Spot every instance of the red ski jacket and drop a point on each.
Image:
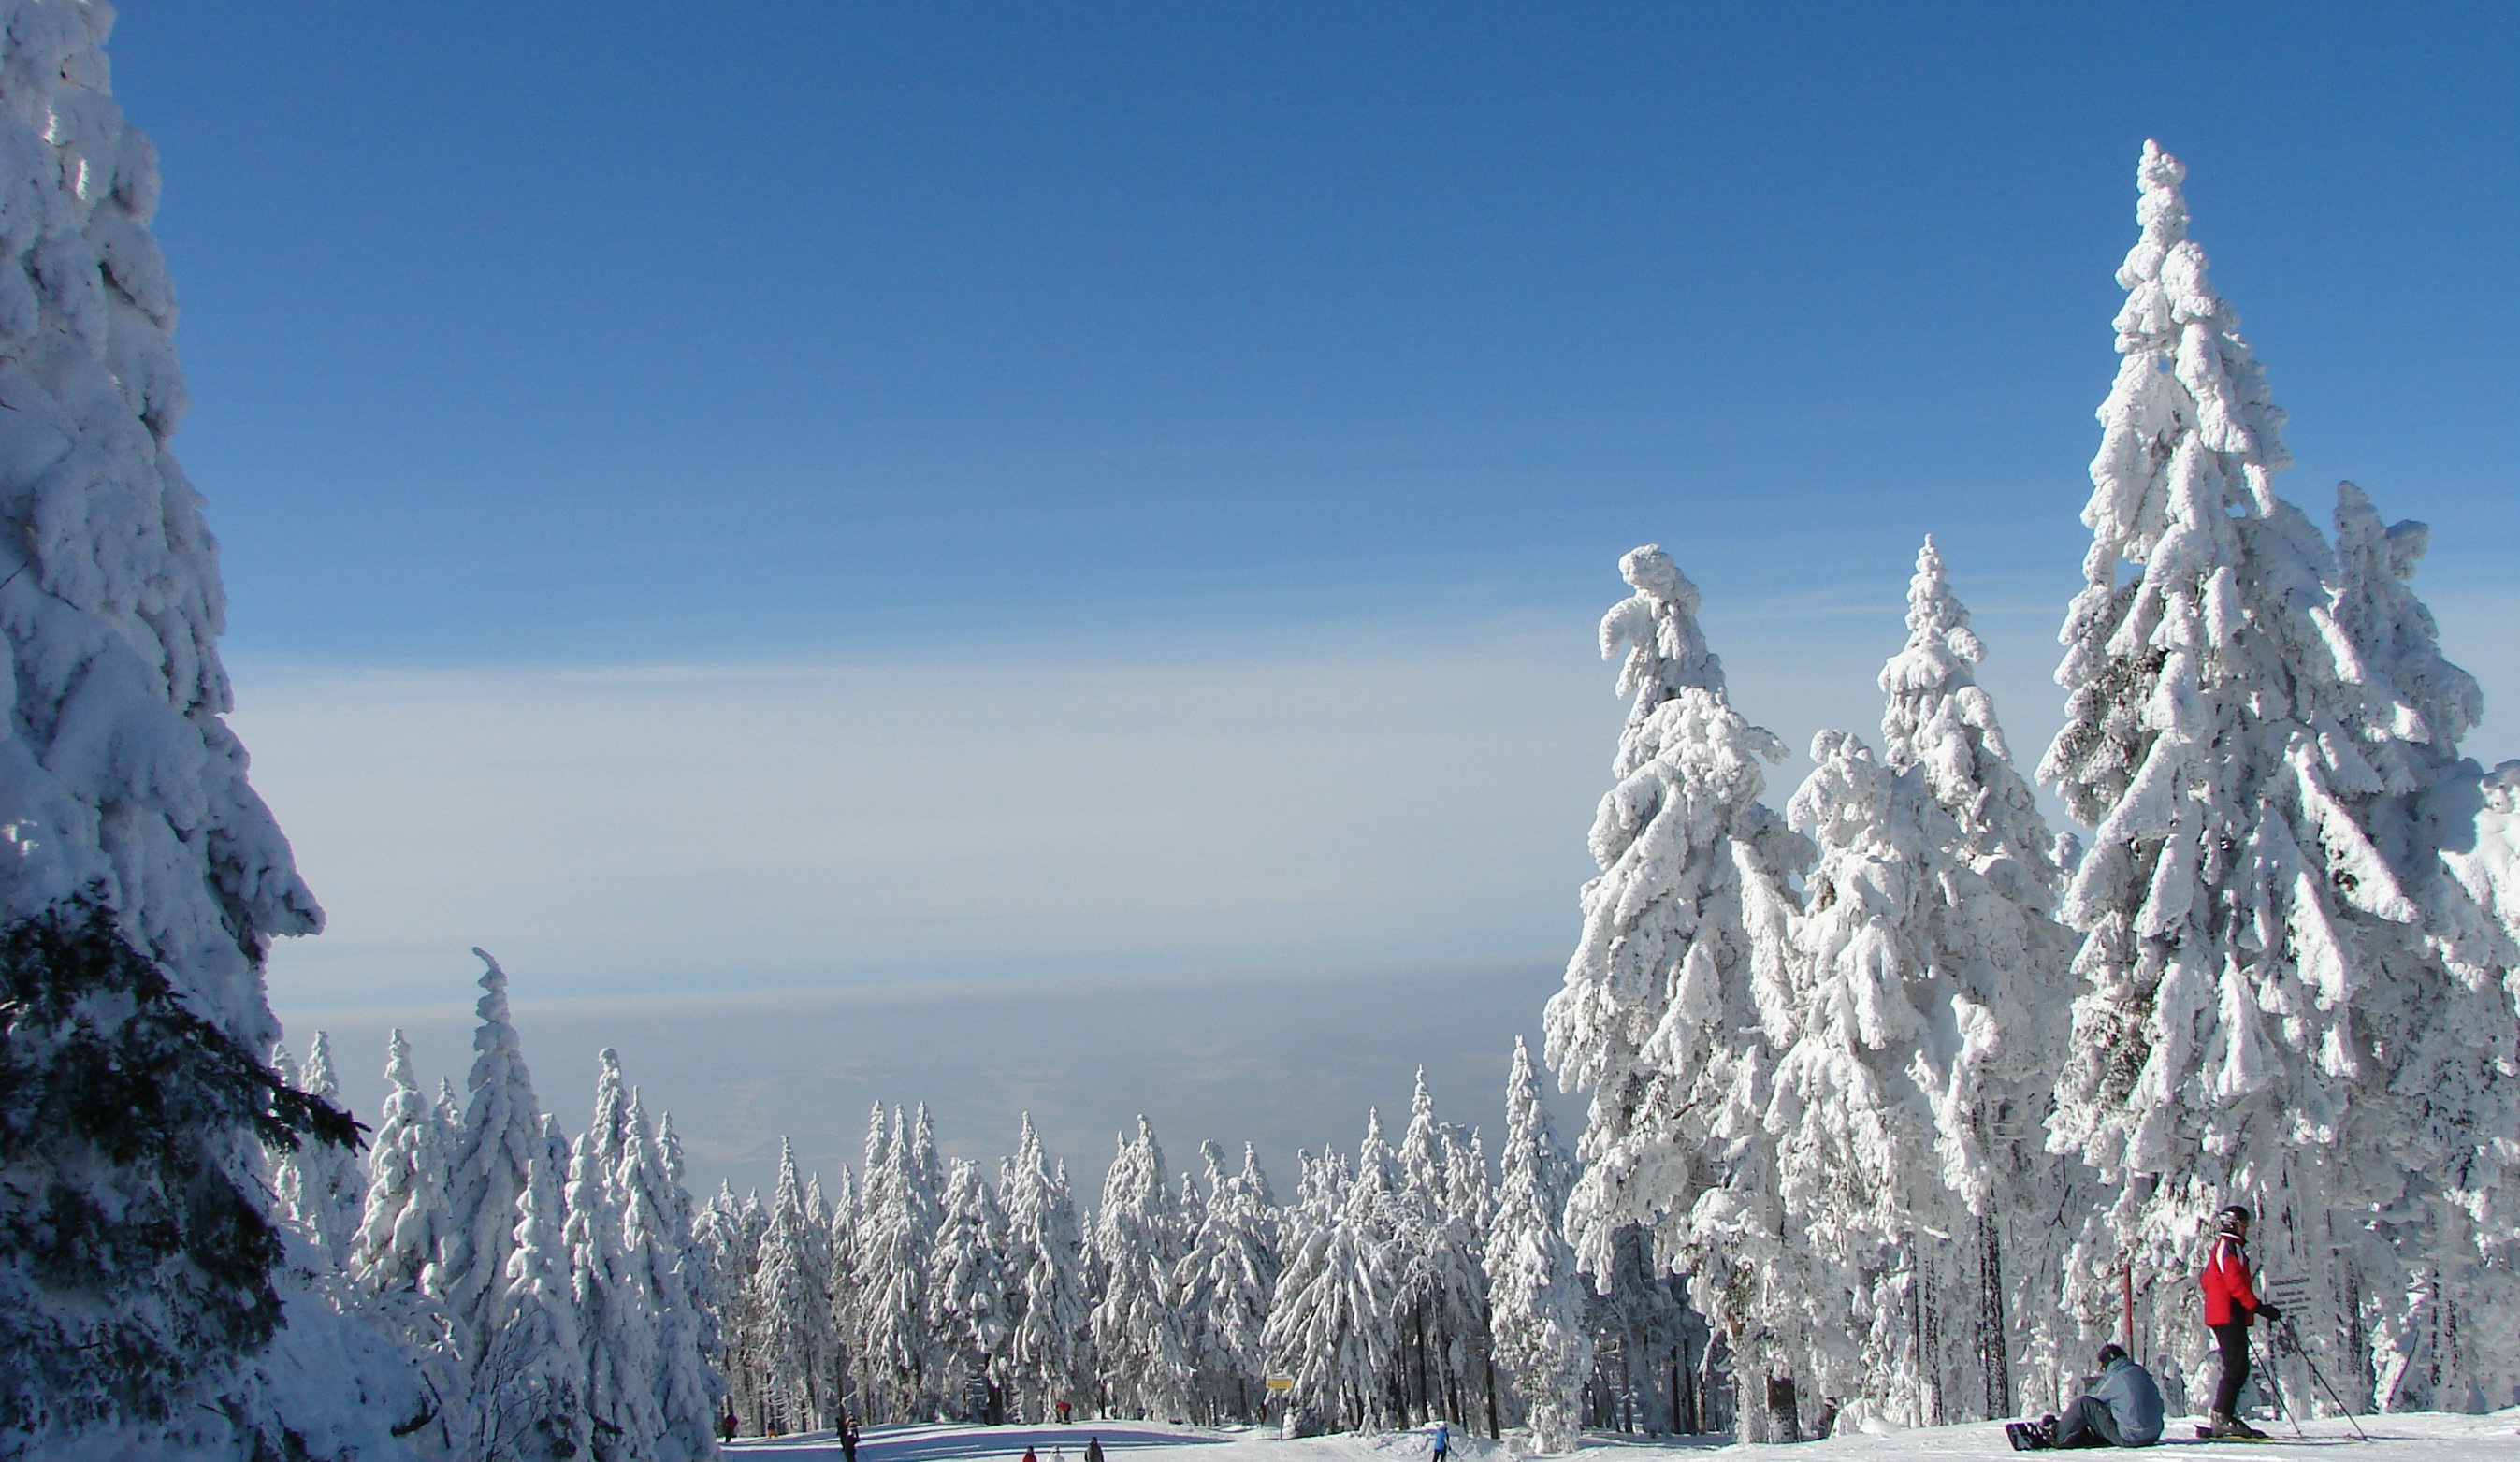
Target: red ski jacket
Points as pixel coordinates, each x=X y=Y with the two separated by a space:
x=2228 y=1295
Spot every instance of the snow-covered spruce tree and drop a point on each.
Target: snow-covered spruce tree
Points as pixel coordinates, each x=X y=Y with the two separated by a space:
x=1440 y=1308
x=966 y=1286
x=146 y=880
x=1536 y=1294
x=530 y=1385
x=2441 y=1000
x=1328 y=1325
x=494 y=1149
x=1188 y=1218
x=1225 y=1282
x=656 y=1233
x=404 y=1229
x=2229 y=741
x=1046 y=1264
x=840 y=1278
x=1853 y=1110
x=2009 y=963
x=616 y=1321
x=791 y=1307
x=1678 y=997
x=319 y=1185
x=1136 y=1323
x=1934 y=989
x=724 y=1233
x=896 y=1229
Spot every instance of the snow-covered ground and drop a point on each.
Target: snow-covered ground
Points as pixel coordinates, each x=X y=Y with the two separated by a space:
x=2417 y=1436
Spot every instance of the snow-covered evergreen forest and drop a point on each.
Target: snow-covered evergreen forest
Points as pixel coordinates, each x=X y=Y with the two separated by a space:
x=1902 y=1097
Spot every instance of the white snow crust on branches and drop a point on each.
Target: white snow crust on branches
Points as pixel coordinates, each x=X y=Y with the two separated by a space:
x=529 y=1384
x=896 y=1229
x=494 y=1153
x=119 y=779
x=319 y=1188
x=1678 y=997
x=1932 y=983
x=1999 y=1012
x=1136 y=1324
x=1325 y=1327
x=616 y=1328
x=121 y=784
x=656 y=1233
x=2443 y=1000
x=1538 y=1296
x=1441 y=1309
x=967 y=1283
x=791 y=1302
x=1045 y=1263
x=2240 y=743
x=406 y=1227
x=1227 y=1279
x=1853 y=1110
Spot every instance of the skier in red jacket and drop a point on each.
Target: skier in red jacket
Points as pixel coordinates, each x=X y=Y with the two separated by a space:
x=2232 y=1304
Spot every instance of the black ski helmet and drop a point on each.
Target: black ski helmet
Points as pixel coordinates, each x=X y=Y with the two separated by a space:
x=2111 y=1353
x=2234 y=1216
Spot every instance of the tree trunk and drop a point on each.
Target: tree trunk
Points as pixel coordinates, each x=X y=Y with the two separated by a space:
x=1783 y=1414
x=1426 y=1398
x=1995 y=1334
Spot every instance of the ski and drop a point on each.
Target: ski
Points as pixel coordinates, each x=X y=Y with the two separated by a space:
x=2202 y=1435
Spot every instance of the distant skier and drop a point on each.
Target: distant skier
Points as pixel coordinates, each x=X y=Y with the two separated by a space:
x=848 y=1437
x=1093 y=1449
x=1062 y=1412
x=1443 y=1443
x=2231 y=1305
x=2123 y=1410
x=726 y=1426
x=1029 y=1454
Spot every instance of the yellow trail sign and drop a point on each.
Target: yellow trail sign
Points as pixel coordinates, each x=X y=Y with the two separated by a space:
x=1281 y=1383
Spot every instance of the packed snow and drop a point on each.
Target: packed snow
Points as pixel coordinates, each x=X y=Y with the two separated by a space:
x=2415 y=1437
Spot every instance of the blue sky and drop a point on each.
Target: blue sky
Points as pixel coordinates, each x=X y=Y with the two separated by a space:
x=1003 y=387
x=615 y=331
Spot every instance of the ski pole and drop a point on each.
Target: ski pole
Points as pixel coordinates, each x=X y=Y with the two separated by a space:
x=2320 y=1381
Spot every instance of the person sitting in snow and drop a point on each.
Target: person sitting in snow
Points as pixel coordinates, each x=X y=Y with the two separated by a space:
x=2124 y=1409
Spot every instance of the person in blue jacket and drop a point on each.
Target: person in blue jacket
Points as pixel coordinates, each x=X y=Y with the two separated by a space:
x=2123 y=1410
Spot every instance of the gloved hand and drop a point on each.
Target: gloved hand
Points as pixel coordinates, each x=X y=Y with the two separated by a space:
x=2269 y=1310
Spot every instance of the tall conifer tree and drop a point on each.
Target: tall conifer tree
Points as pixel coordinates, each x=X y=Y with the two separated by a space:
x=1679 y=995
x=2237 y=747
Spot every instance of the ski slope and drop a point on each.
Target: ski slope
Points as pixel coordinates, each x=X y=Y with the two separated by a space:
x=2415 y=1437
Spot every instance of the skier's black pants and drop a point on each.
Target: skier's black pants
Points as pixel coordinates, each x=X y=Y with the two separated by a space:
x=2233 y=1338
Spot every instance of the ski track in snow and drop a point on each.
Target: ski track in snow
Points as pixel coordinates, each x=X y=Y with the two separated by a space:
x=2411 y=1436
